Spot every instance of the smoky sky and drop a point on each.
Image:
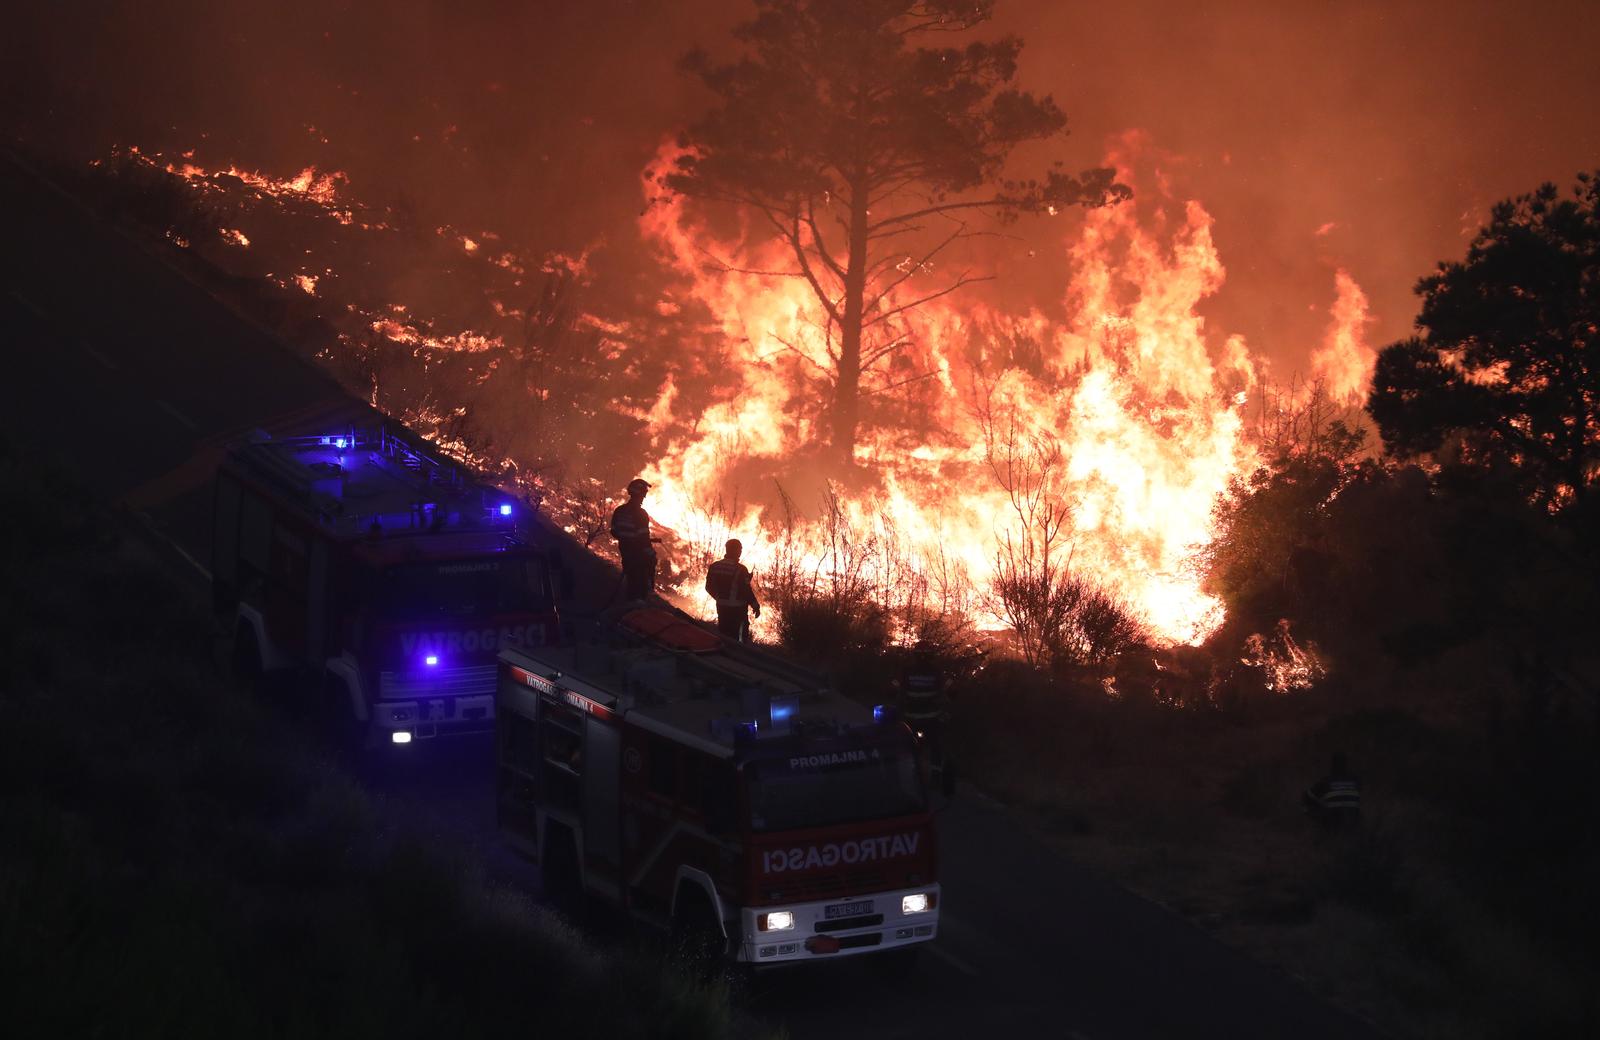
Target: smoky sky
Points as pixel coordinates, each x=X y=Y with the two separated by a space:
x=1388 y=127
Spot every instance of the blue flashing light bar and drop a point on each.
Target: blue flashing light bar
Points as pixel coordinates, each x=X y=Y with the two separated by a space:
x=781 y=710
x=505 y=508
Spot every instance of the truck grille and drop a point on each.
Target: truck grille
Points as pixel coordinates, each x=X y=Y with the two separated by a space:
x=472 y=681
x=844 y=924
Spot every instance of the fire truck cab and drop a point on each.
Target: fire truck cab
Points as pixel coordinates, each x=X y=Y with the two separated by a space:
x=367 y=558
x=701 y=784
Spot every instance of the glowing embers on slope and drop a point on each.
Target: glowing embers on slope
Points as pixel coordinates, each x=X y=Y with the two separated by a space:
x=321 y=188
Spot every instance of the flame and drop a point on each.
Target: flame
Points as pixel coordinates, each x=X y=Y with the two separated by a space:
x=1282 y=663
x=322 y=188
x=1147 y=422
x=1344 y=363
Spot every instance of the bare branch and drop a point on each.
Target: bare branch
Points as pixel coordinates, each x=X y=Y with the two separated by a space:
x=964 y=280
x=919 y=377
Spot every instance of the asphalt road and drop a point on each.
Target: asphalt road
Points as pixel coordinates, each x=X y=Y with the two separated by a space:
x=129 y=375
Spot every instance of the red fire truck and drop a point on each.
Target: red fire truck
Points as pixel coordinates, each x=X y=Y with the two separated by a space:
x=715 y=789
x=368 y=558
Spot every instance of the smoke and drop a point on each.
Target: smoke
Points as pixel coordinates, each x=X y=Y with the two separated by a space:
x=1389 y=120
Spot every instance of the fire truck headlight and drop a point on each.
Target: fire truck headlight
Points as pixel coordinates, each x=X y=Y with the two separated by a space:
x=776 y=921
x=916 y=903
x=400 y=736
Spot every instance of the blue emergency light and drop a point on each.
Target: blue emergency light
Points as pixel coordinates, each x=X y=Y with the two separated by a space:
x=781 y=710
x=505 y=508
x=432 y=660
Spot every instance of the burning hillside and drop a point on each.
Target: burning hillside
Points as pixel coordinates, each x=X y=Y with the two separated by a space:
x=1090 y=436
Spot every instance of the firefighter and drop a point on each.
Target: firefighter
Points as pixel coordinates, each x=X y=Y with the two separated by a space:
x=630 y=526
x=1335 y=800
x=922 y=689
x=924 y=705
x=728 y=582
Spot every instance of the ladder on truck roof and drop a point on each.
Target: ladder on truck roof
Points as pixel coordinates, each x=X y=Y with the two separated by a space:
x=434 y=483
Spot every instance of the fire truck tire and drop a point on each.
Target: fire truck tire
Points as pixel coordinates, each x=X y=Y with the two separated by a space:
x=246 y=653
x=697 y=939
x=558 y=870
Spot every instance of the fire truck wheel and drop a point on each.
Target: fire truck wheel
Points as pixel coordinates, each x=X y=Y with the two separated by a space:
x=558 y=871
x=246 y=653
x=697 y=939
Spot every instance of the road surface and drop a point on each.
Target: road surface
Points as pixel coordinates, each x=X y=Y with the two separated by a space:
x=129 y=375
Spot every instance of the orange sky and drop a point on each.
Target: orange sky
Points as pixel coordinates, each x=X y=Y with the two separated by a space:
x=1390 y=125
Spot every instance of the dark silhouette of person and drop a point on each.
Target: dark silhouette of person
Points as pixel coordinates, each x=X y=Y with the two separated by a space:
x=1335 y=800
x=630 y=526
x=922 y=688
x=728 y=582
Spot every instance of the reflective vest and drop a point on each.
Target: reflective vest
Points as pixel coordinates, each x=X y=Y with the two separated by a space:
x=728 y=582
x=1341 y=795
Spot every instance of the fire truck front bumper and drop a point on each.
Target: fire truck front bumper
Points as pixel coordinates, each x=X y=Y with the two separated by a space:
x=408 y=721
x=796 y=932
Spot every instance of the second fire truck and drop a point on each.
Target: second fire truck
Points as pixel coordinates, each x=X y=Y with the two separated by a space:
x=717 y=790
x=367 y=560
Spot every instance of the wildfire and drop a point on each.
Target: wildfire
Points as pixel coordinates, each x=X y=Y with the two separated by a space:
x=1119 y=411
x=1131 y=421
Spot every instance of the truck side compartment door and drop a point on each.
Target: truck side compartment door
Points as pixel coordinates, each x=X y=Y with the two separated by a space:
x=601 y=811
x=521 y=758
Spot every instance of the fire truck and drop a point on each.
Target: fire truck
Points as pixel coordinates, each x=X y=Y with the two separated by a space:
x=369 y=560
x=716 y=790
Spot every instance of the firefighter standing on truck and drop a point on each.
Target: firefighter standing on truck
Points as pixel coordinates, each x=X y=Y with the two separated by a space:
x=630 y=526
x=728 y=582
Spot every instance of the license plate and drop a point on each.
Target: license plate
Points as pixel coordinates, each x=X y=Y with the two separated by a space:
x=856 y=909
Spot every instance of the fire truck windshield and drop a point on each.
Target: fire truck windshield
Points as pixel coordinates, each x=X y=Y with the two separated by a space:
x=459 y=588
x=836 y=786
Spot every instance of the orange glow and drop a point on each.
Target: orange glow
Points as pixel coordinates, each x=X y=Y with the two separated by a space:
x=1143 y=401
